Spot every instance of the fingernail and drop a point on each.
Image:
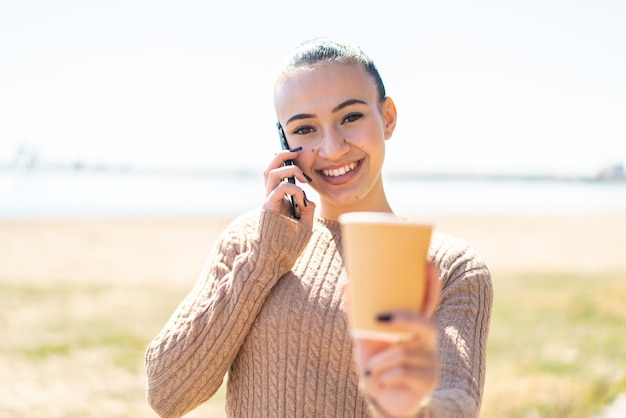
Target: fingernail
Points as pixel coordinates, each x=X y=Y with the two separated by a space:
x=296 y=149
x=384 y=317
x=305 y=200
x=309 y=179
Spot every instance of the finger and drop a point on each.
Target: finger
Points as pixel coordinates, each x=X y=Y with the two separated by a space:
x=283 y=189
x=274 y=177
x=413 y=353
x=307 y=208
x=279 y=200
x=276 y=200
x=420 y=326
x=417 y=378
x=364 y=349
x=402 y=368
x=277 y=162
x=280 y=158
x=277 y=176
x=287 y=155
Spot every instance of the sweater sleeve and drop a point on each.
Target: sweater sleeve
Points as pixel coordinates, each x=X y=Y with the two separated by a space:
x=462 y=320
x=189 y=358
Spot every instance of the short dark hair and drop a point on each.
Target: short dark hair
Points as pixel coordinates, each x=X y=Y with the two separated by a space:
x=324 y=50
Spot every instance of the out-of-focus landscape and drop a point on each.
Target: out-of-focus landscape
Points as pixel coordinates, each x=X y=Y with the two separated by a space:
x=82 y=299
x=132 y=132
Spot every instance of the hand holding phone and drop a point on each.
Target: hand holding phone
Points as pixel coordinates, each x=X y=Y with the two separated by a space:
x=295 y=209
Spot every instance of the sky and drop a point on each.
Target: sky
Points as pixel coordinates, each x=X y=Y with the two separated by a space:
x=506 y=87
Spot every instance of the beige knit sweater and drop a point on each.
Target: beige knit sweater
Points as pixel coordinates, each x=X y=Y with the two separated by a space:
x=267 y=311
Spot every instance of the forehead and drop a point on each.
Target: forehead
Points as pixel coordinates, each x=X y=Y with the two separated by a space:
x=322 y=85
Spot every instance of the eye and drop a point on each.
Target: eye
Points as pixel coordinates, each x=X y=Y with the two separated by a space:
x=352 y=117
x=303 y=130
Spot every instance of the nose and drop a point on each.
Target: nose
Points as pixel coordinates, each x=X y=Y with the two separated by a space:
x=333 y=145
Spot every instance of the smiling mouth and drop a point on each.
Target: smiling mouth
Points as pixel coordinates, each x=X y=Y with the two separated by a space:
x=336 y=172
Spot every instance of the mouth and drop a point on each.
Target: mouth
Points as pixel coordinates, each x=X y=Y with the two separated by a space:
x=340 y=171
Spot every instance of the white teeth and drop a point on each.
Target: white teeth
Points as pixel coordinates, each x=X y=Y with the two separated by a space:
x=339 y=171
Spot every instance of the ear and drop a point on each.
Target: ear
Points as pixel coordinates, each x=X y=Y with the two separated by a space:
x=390 y=115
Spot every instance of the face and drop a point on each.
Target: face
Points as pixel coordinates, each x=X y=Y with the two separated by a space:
x=333 y=111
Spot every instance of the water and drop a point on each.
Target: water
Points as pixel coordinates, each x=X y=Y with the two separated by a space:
x=35 y=194
x=65 y=194
x=481 y=196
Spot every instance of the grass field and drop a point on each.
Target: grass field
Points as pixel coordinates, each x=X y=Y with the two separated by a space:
x=556 y=347
x=74 y=348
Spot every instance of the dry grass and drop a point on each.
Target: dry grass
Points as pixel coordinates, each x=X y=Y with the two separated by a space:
x=81 y=300
x=76 y=350
x=556 y=346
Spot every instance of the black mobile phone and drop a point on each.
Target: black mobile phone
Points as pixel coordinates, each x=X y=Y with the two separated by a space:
x=295 y=209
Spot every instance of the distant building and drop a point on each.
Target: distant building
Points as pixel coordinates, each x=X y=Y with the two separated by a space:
x=25 y=158
x=612 y=173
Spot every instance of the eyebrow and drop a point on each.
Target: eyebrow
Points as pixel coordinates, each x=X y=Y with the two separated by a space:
x=335 y=109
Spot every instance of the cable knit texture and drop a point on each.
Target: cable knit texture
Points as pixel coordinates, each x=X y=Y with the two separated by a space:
x=267 y=311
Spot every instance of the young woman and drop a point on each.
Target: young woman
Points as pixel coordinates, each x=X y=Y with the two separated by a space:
x=268 y=307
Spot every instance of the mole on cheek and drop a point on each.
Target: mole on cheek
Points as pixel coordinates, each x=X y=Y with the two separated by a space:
x=312 y=149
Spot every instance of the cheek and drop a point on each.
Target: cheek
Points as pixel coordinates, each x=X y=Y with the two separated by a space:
x=305 y=158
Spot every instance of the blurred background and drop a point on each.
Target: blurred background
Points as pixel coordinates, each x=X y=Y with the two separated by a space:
x=137 y=108
x=132 y=132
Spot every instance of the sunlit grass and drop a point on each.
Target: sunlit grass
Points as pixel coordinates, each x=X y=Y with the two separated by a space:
x=68 y=318
x=556 y=347
x=76 y=350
